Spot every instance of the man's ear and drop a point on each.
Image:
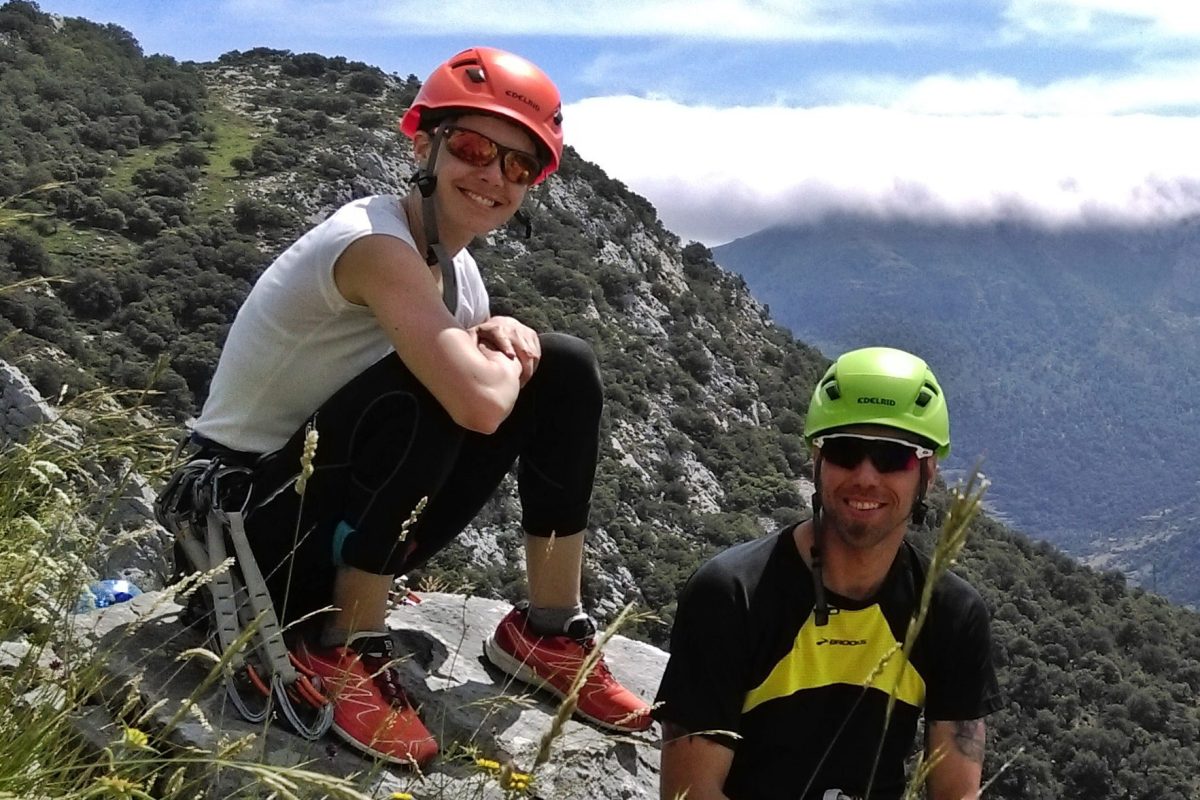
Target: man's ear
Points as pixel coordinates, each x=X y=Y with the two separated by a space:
x=930 y=471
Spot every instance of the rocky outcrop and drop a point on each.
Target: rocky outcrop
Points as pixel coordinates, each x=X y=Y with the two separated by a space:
x=22 y=407
x=474 y=710
x=119 y=506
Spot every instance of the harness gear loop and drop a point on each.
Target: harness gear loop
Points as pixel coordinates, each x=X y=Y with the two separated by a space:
x=240 y=603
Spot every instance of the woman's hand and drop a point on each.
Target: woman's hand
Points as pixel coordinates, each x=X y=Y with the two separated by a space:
x=515 y=340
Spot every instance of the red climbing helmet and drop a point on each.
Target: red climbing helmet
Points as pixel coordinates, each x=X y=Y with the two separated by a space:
x=495 y=82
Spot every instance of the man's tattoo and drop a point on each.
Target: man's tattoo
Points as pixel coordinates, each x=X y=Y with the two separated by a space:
x=969 y=736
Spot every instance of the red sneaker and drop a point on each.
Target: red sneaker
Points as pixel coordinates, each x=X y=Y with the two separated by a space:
x=552 y=662
x=370 y=710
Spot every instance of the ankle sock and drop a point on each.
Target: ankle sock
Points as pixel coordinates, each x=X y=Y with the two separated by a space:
x=340 y=637
x=553 y=621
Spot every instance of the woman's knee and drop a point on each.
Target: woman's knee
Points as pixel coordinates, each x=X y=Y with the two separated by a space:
x=571 y=364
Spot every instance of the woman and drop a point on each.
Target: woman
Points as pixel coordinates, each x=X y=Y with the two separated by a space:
x=373 y=330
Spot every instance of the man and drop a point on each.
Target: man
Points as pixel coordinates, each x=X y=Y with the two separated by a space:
x=374 y=332
x=785 y=649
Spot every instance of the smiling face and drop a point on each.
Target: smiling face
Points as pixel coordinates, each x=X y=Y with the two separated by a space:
x=471 y=201
x=863 y=507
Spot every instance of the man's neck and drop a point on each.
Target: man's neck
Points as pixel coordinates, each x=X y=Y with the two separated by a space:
x=850 y=572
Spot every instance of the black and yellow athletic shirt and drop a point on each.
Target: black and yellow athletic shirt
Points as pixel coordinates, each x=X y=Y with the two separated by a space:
x=750 y=668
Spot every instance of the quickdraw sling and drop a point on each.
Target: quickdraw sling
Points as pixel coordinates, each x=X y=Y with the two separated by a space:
x=193 y=507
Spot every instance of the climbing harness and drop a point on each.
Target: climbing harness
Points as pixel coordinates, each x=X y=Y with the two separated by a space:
x=198 y=507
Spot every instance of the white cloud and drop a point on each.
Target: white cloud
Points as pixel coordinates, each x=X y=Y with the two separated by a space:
x=715 y=174
x=789 y=20
x=1165 y=86
x=1122 y=22
x=913 y=132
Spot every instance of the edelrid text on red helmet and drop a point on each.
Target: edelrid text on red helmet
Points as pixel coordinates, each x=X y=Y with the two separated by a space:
x=495 y=82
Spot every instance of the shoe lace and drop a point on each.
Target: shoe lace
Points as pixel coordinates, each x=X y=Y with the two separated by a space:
x=600 y=671
x=581 y=629
x=387 y=678
x=378 y=656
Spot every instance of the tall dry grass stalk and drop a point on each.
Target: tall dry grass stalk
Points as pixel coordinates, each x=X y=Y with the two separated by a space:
x=967 y=501
x=567 y=707
x=45 y=486
x=54 y=741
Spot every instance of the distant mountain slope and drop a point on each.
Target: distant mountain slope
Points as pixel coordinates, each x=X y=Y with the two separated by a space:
x=1072 y=358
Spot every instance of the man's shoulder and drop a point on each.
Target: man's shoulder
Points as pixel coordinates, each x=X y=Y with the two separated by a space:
x=750 y=555
x=951 y=587
x=738 y=570
x=958 y=589
x=955 y=601
x=960 y=611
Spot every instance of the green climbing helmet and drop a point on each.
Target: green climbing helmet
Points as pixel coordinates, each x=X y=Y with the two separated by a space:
x=880 y=386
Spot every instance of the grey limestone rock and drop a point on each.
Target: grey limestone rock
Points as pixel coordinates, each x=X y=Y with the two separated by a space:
x=22 y=406
x=131 y=544
x=473 y=709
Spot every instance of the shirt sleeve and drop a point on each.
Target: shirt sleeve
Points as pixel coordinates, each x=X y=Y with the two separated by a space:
x=965 y=685
x=703 y=685
x=473 y=302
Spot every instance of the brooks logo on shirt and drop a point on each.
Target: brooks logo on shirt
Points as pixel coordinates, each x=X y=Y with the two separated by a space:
x=843 y=642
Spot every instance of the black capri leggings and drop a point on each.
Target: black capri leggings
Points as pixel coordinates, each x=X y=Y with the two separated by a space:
x=385 y=442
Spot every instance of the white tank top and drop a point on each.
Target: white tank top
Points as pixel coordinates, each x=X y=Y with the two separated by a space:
x=296 y=340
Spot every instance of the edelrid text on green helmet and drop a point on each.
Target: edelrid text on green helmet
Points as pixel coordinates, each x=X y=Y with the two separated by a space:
x=880 y=386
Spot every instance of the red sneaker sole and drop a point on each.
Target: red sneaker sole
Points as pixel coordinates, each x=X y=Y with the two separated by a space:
x=382 y=756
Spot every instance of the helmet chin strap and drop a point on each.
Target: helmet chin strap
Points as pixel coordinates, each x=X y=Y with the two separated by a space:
x=821 y=602
x=435 y=251
x=920 y=509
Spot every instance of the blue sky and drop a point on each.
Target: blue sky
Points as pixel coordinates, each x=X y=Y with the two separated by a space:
x=733 y=115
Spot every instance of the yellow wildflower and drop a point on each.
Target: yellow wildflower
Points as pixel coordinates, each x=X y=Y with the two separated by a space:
x=136 y=739
x=116 y=786
x=514 y=781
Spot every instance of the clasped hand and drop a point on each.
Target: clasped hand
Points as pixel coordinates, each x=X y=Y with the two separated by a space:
x=515 y=340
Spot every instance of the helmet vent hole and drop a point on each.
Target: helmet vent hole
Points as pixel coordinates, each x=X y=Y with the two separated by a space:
x=476 y=75
x=832 y=390
x=926 y=394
